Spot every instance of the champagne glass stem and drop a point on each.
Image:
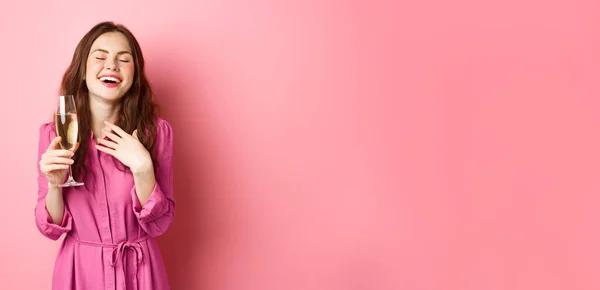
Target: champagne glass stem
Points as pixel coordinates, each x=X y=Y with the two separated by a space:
x=70 y=174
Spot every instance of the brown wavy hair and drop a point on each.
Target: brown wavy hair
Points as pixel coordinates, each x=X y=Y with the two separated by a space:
x=137 y=110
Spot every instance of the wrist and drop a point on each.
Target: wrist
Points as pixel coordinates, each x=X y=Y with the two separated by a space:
x=143 y=168
x=53 y=185
x=54 y=189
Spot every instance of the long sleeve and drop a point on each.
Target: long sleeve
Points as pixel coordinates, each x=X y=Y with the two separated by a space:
x=42 y=217
x=156 y=216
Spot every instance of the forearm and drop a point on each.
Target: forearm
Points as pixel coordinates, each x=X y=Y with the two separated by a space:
x=55 y=205
x=145 y=181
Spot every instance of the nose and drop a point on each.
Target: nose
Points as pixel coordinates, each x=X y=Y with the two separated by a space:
x=111 y=65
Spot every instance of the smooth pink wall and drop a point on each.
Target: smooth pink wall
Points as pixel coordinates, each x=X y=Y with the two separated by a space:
x=341 y=144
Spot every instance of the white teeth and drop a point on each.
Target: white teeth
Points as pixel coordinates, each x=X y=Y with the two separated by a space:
x=116 y=80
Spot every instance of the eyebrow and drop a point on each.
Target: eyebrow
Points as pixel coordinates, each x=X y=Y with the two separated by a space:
x=106 y=51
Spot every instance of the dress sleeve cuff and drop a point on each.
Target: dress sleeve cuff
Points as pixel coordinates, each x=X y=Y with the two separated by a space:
x=155 y=207
x=53 y=230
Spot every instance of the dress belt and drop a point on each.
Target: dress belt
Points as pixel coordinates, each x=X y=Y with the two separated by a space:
x=119 y=256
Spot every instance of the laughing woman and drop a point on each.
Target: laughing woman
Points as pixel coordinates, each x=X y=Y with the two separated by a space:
x=124 y=159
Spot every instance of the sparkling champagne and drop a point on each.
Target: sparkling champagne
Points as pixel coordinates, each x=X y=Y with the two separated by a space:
x=66 y=128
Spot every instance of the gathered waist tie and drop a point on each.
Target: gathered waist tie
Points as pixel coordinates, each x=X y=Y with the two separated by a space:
x=119 y=256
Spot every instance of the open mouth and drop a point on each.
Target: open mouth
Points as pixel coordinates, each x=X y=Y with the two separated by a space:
x=110 y=80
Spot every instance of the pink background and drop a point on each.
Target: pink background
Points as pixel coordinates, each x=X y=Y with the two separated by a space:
x=341 y=144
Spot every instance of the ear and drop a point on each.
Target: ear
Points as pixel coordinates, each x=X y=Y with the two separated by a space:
x=134 y=134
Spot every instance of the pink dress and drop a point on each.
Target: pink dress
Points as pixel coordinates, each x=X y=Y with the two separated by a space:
x=110 y=238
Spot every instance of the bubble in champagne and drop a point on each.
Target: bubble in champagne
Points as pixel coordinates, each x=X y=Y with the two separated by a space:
x=72 y=132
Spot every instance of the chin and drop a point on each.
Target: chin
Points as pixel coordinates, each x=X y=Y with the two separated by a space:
x=109 y=97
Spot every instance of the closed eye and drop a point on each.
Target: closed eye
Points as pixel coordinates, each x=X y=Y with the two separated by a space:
x=124 y=60
x=101 y=58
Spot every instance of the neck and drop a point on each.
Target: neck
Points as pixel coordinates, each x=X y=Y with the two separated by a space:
x=102 y=111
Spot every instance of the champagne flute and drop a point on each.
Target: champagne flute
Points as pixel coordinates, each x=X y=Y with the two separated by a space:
x=67 y=129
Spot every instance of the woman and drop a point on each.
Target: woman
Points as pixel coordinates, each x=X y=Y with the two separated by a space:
x=124 y=159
